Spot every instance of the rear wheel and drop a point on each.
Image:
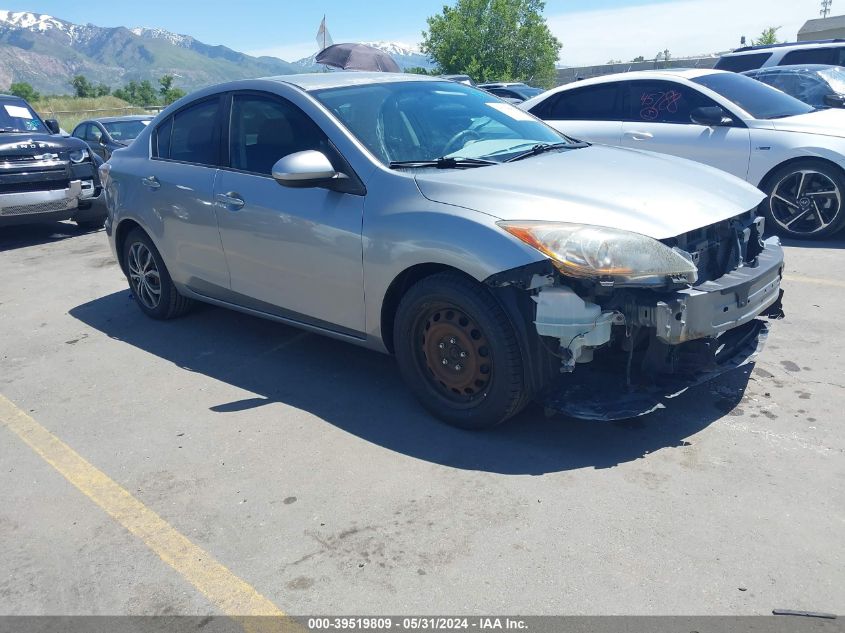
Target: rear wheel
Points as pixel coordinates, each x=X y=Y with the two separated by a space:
x=458 y=353
x=149 y=280
x=805 y=200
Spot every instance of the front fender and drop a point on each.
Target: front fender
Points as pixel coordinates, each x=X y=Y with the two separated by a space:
x=407 y=230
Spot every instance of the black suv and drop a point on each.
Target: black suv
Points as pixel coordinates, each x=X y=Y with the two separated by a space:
x=44 y=176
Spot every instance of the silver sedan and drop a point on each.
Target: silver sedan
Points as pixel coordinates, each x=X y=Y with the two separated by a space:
x=499 y=260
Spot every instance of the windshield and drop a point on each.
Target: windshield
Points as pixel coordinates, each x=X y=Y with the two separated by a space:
x=526 y=92
x=835 y=77
x=125 y=130
x=17 y=116
x=760 y=100
x=424 y=121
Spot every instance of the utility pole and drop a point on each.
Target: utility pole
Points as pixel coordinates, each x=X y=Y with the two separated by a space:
x=825 y=8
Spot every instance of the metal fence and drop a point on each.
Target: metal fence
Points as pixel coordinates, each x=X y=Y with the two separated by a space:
x=568 y=75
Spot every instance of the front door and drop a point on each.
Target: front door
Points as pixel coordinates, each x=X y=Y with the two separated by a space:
x=658 y=119
x=296 y=253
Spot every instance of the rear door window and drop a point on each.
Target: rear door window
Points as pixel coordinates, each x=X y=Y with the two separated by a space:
x=741 y=63
x=834 y=55
x=195 y=136
x=591 y=103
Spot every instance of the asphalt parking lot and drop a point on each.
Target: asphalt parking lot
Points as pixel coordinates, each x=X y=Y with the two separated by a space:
x=301 y=468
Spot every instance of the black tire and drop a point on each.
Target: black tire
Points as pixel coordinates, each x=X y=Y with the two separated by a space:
x=442 y=317
x=796 y=205
x=170 y=303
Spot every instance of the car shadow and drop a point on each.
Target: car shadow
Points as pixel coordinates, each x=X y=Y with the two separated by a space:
x=361 y=392
x=12 y=237
x=834 y=241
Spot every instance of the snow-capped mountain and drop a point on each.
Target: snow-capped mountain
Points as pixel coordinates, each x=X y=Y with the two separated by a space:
x=405 y=55
x=47 y=52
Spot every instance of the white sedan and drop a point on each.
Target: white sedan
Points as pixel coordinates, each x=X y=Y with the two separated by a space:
x=790 y=150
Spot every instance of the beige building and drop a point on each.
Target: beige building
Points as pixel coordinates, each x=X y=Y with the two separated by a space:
x=823 y=29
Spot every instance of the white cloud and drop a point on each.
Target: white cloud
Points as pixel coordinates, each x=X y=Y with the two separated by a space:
x=288 y=52
x=685 y=27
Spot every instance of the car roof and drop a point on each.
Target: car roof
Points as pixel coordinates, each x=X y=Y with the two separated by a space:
x=747 y=50
x=319 y=81
x=127 y=117
x=2 y=96
x=667 y=73
x=790 y=68
x=503 y=84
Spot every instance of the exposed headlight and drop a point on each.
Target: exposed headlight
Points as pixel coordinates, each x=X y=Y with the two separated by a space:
x=606 y=255
x=77 y=155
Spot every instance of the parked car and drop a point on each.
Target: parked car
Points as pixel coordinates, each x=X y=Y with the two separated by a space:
x=106 y=134
x=43 y=175
x=513 y=92
x=830 y=52
x=461 y=79
x=790 y=150
x=417 y=217
x=815 y=84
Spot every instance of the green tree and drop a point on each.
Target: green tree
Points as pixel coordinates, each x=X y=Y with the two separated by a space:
x=494 y=40
x=419 y=70
x=639 y=58
x=768 y=37
x=102 y=90
x=82 y=87
x=24 y=91
x=140 y=94
x=168 y=92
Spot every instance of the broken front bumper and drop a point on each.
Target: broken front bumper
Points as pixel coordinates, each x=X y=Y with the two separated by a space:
x=719 y=305
x=661 y=346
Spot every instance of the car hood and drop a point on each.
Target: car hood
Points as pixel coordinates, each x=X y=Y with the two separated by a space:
x=829 y=122
x=27 y=143
x=653 y=194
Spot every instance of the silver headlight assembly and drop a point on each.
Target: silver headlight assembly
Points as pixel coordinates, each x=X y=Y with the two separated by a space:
x=77 y=155
x=608 y=256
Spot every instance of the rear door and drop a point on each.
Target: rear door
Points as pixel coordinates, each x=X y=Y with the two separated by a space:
x=292 y=252
x=178 y=184
x=658 y=119
x=592 y=113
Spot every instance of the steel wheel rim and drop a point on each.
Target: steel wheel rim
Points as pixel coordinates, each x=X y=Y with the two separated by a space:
x=455 y=353
x=143 y=275
x=805 y=202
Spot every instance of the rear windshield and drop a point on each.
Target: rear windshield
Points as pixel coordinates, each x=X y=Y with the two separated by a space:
x=741 y=63
x=760 y=100
x=125 y=130
x=17 y=116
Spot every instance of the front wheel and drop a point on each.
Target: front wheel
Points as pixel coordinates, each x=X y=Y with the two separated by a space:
x=458 y=352
x=805 y=200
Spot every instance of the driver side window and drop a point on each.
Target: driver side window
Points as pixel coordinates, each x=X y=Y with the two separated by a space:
x=265 y=129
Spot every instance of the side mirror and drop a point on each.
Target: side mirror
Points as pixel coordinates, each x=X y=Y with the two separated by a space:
x=709 y=116
x=53 y=126
x=835 y=101
x=305 y=169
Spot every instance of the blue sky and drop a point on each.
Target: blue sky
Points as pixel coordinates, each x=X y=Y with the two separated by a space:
x=592 y=32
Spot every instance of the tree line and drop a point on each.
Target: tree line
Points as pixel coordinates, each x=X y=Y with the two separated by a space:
x=138 y=93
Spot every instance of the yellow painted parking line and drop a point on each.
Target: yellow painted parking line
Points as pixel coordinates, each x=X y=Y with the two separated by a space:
x=815 y=280
x=233 y=596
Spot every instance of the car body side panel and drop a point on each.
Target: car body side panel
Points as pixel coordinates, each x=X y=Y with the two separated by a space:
x=179 y=215
x=770 y=148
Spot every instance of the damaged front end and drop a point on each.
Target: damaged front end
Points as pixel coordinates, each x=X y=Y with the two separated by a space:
x=625 y=347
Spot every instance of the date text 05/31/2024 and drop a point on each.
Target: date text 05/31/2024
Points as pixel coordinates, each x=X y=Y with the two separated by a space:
x=413 y=624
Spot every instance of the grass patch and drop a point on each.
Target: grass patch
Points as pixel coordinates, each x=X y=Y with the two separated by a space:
x=71 y=110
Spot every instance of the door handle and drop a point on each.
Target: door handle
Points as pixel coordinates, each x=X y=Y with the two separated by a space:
x=230 y=200
x=639 y=136
x=151 y=182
